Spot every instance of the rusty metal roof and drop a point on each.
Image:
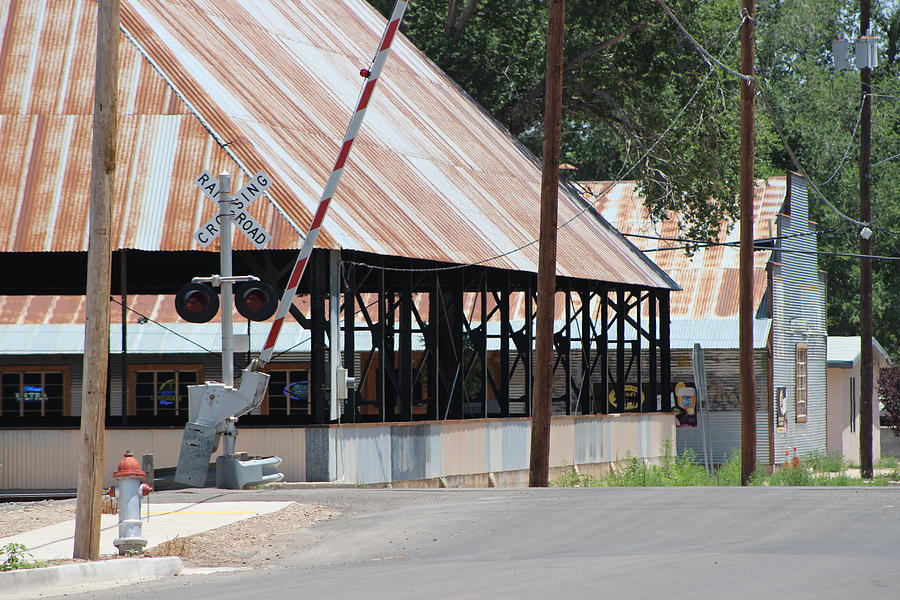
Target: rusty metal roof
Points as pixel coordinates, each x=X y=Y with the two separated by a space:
x=708 y=279
x=225 y=85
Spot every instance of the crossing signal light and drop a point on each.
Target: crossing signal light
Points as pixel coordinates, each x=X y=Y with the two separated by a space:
x=255 y=300
x=196 y=302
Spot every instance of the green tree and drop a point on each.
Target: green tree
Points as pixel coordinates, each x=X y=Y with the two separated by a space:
x=818 y=109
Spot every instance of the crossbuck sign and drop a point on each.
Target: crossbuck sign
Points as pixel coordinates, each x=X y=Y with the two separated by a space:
x=242 y=199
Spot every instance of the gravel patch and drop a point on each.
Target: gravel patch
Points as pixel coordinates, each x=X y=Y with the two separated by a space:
x=247 y=543
x=19 y=517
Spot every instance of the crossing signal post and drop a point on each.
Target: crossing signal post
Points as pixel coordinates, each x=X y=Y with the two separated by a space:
x=213 y=408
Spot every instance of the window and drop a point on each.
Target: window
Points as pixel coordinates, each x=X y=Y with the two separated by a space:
x=34 y=392
x=801 y=385
x=853 y=413
x=161 y=389
x=288 y=391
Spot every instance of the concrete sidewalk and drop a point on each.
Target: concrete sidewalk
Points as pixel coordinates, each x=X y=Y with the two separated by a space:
x=161 y=522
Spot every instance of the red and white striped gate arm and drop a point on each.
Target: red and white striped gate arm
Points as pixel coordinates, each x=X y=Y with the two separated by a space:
x=371 y=76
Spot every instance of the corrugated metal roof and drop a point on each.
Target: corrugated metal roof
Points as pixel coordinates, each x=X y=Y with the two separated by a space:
x=223 y=85
x=150 y=338
x=708 y=279
x=844 y=351
x=715 y=334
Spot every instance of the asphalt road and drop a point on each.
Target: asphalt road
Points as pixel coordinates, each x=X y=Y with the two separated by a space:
x=570 y=543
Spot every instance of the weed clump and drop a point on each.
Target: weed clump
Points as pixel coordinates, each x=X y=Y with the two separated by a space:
x=17 y=557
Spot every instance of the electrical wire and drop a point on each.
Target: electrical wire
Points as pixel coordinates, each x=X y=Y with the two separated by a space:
x=849 y=145
x=709 y=243
x=789 y=251
x=889 y=158
x=143 y=316
x=765 y=95
x=709 y=57
x=767 y=101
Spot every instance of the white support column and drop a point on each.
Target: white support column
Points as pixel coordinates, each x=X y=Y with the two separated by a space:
x=227 y=300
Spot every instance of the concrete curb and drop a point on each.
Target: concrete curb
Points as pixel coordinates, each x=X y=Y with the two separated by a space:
x=118 y=570
x=310 y=485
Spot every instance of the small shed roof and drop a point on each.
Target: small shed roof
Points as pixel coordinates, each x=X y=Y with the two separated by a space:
x=844 y=352
x=270 y=86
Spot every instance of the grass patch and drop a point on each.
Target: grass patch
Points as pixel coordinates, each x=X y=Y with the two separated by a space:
x=887 y=462
x=685 y=470
x=822 y=463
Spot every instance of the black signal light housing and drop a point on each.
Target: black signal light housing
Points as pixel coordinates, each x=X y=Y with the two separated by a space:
x=196 y=302
x=255 y=300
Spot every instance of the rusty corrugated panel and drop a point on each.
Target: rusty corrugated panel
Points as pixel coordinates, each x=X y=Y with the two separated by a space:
x=426 y=153
x=709 y=286
x=431 y=175
x=280 y=103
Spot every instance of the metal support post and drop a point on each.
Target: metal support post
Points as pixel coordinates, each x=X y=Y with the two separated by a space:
x=225 y=206
x=334 y=330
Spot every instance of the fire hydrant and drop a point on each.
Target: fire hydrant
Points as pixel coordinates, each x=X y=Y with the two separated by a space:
x=128 y=491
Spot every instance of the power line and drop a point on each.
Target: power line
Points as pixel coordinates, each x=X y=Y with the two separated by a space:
x=143 y=316
x=764 y=94
x=787 y=250
x=849 y=145
x=709 y=57
x=889 y=158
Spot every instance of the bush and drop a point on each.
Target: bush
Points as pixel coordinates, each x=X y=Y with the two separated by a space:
x=889 y=388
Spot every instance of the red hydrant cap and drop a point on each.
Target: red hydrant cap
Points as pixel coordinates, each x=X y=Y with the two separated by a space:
x=129 y=467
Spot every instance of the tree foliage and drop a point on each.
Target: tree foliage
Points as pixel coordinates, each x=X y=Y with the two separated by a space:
x=889 y=389
x=818 y=109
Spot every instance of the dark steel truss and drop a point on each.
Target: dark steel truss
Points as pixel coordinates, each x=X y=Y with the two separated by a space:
x=458 y=343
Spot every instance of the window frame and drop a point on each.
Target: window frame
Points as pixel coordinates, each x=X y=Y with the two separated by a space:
x=65 y=370
x=291 y=366
x=801 y=382
x=854 y=411
x=133 y=370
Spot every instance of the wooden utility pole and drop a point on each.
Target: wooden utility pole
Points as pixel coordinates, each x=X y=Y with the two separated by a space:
x=543 y=378
x=96 y=326
x=866 y=383
x=748 y=155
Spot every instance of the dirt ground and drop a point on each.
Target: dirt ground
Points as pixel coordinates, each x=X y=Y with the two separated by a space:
x=247 y=543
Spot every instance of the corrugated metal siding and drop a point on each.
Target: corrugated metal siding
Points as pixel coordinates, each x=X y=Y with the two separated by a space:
x=709 y=279
x=799 y=317
x=723 y=388
x=724 y=438
x=42 y=459
x=431 y=175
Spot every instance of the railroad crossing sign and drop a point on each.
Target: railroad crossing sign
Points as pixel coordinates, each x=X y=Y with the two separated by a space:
x=242 y=199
